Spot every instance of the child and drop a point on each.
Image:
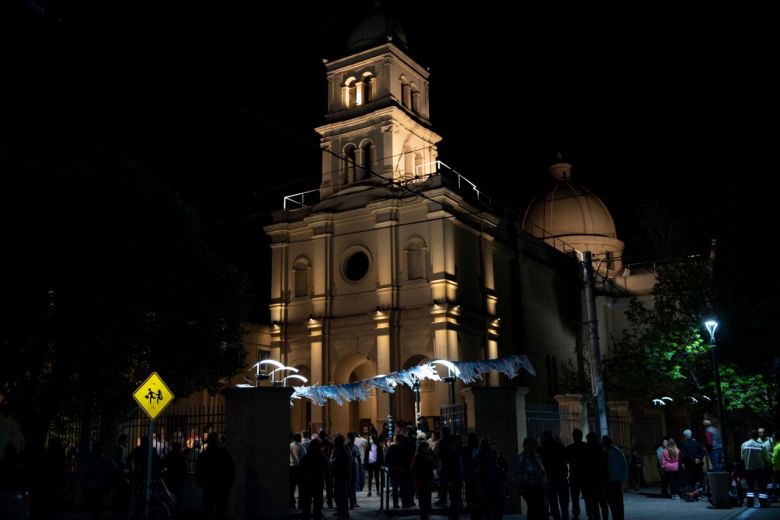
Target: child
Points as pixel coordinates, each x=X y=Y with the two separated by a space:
x=634 y=471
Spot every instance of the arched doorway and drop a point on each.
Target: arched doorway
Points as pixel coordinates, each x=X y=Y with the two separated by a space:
x=347 y=417
x=406 y=398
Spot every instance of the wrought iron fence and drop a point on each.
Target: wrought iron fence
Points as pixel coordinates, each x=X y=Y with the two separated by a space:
x=542 y=417
x=190 y=426
x=453 y=416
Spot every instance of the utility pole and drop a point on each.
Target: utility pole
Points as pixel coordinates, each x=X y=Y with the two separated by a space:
x=597 y=377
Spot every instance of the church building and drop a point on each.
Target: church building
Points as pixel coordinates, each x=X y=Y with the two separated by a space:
x=397 y=260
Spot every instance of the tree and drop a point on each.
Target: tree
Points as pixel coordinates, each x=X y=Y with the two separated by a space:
x=105 y=279
x=663 y=352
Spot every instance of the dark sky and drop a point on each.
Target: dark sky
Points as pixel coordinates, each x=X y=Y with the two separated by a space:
x=219 y=98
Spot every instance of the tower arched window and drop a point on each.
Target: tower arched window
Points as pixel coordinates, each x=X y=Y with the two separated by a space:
x=301 y=270
x=406 y=91
x=415 y=101
x=418 y=165
x=350 y=92
x=365 y=171
x=368 y=87
x=350 y=162
x=415 y=259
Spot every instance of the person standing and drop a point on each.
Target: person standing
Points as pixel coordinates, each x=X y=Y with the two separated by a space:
x=768 y=444
x=297 y=451
x=618 y=474
x=422 y=474
x=175 y=474
x=692 y=458
x=361 y=443
x=373 y=461
x=659 y=453
x=531 y=480
x=311 y=480
x=714 y=445
x=634 y=471
x=215 y=472
x=341 y=469
x=670 y=465
x=327 y=452
x=756 y=462
x=575 y=453
x=554 y=460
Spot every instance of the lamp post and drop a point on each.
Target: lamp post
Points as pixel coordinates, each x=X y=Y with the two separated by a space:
x=452 y=373
x=389 y=416
x=389 y=408
x=712 y=325
x=416 y=390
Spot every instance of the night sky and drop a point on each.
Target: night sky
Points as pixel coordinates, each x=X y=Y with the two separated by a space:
x=219 y=99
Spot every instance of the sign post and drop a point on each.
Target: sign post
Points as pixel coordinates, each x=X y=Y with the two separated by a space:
x=153 y=396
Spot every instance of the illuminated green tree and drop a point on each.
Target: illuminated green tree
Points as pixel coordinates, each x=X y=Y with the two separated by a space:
x=663 y=352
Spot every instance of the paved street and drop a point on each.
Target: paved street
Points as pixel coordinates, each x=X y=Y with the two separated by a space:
x=646 y=505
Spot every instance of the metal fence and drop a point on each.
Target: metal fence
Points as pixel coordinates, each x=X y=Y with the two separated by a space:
x=453 y=416
x=541 y=418
x=648 y=430
x=190 y=426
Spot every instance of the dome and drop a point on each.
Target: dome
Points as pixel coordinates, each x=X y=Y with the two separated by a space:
x=376 y=29
x=570 y=217
x=566 y=210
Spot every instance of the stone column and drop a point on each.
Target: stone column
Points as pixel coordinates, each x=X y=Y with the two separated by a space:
x=383 y=362
x=317 y=375
x=499 y=413
x=573 y=412
x=258 y=433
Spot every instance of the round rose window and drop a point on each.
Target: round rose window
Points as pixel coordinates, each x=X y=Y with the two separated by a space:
x=356 y=266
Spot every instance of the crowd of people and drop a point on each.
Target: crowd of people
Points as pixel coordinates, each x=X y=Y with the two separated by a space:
x=470 y=473
x=417 y=462
x=754 y=474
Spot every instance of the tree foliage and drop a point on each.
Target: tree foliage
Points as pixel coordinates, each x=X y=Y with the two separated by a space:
x=105 y=279
x=663 y=352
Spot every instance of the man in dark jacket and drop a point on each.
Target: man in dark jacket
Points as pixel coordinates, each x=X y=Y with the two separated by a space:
x=554 y=460
x=692 y=457
x=311 y=472
x=215 y=472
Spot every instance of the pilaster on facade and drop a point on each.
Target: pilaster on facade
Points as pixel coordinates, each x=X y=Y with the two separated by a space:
x=279 y=233
x=445 y=316
x=320 y=224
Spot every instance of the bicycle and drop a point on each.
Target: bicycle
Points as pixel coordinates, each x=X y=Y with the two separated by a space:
x=161 y=502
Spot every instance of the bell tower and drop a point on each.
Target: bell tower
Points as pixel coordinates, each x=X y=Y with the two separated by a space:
x=377 y=129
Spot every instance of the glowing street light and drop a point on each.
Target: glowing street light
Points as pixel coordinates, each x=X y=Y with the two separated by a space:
x=712 y=326
x=452 y=374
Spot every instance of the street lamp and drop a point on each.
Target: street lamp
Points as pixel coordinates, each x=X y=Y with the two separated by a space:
x=712 y=325
x=452 y=373
x=389 y=408
x=416 y=390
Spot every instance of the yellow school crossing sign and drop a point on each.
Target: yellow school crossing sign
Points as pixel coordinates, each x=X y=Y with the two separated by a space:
x=153 y=396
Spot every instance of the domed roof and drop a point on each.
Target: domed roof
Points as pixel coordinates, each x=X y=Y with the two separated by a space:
x=568 y=210
x=376 y=29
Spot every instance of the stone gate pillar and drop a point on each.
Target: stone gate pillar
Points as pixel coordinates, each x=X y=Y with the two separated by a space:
x=258 y=438
x=573 y=413
x=499 y=413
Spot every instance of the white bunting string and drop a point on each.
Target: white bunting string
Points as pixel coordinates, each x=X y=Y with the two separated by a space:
x=466 y=371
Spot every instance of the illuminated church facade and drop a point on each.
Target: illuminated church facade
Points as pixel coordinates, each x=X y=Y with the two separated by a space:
x=403 y=261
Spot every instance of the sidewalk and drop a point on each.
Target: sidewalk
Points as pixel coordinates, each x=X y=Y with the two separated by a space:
x=647 y=505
